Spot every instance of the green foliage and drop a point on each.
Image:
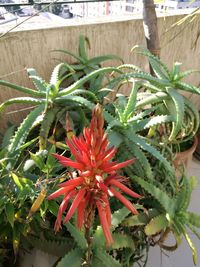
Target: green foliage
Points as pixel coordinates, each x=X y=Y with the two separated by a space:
x=106 y=258
x=77 y=235
x=54 y=246
x=143 y=125
x=73 y=258
x=21 y=134
x=156 y=225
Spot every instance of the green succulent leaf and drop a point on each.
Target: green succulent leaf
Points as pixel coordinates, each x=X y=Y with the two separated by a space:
x=21 y=134
x=77 y=99
x=144 y=51
x=45 y=127
x=137 y=152
x=192 y=247
x=107 y=259
x=160 y=195
x=156 y=224
x=122 y=241
x=177 y=111
x=118 y=216
x=184 y=195
x=99 y=59
x=151 y=122
x=194 y=219
x=39 y=83
x=151 y=99
x=142 y=143
x=52 y=245
x=78 y=235
x=187 y=87
x=97 y=262
x=55 y=75
x=73 y=258
x=18 y=100
x=22 y=89
x=38 y=159
x=86 y=78
x=136 y=220
x=130 y=107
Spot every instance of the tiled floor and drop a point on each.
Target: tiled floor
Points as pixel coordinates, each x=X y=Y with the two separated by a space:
x=182 y=257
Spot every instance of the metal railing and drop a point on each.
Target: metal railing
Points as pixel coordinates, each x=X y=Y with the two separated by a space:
x=32 y=3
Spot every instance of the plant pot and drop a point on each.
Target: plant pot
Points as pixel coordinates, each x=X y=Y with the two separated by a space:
x=184 y=158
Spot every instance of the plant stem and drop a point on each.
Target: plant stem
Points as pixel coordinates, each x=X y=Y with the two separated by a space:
x=151 y=28
x=89 y=248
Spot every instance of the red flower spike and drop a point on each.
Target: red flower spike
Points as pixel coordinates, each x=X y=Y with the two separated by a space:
x=61 y=191
x=107 y=209
x=124 y=188
x=79 y=197
x=62 y=208
x=76 y=181
x=97 y=178
x=68 y=162
x=104 y=223
x=80 y=213
x=118 y=166
x=125 y=201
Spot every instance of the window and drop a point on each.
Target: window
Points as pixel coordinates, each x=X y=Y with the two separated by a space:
x=129 y=8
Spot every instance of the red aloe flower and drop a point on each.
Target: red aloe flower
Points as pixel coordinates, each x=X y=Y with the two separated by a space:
x=97 y=180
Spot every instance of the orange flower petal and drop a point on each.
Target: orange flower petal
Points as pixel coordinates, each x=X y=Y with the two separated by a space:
x=104 y=223
x=61 y=191
x=124 y=188
x=68 y=162
x=79 y=197
x=62 y=209
x=76 y=181
x=119 y=165
x=125 y=201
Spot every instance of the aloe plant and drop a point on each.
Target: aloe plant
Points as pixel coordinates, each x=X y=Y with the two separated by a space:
x=50 y=103
x=83 y=65
x=164 y=87
x=170 y=216
x=128 y=125
x=176 y=104
x=142 y=125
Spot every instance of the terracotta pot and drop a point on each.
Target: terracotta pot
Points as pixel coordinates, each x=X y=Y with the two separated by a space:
x=185 y=157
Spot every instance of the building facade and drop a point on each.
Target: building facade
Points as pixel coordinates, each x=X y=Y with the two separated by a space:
x=177 y=4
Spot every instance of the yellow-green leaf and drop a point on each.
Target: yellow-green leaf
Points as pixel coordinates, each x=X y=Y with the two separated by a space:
x=156 y=225
x=17 y=181
x=10 y=213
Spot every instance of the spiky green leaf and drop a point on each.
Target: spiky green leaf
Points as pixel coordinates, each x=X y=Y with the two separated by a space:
x=156 y=225
x=86 y=78
x=122 y=241
x=22 y=132
x=73 y=258
x=77 y=235
x=160 y=195
x=177 y=111
x=19 y=100
x=107 y=259
x=22 y=89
